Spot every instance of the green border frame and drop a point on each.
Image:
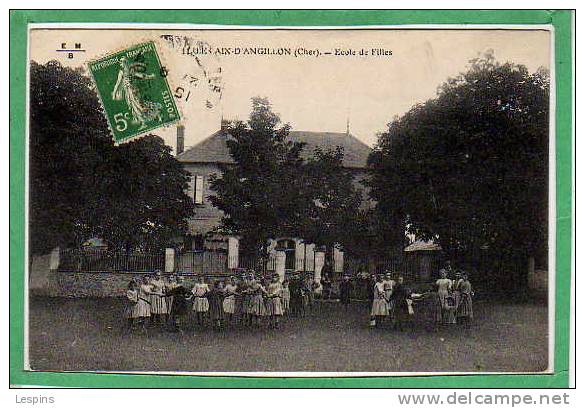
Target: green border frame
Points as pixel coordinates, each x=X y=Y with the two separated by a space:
x=560 y=19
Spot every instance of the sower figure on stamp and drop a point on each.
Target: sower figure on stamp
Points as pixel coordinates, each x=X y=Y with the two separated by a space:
x=141 y=111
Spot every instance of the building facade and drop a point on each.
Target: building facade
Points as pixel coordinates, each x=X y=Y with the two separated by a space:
x=205 y=159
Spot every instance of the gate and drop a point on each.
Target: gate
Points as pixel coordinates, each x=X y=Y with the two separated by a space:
x=208 y=263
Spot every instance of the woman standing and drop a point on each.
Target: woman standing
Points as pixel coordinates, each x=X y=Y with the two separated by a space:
x=379 y=304
x=200 y=302
x=285 y=296
x=257 y=308
x=229 y=301
x=274 y=301
x=465 y=309
x=444 y=287
x=345 y=288
x=401 y=299
x=215 y=298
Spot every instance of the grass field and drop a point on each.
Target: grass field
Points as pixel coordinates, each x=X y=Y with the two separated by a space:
x=88 y=334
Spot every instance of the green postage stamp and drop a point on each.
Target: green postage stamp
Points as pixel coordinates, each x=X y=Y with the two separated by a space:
x=134 y=91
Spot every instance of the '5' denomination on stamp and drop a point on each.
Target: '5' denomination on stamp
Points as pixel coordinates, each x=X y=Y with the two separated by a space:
x=134 y=91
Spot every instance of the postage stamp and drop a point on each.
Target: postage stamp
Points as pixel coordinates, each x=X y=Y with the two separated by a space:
x=134 y=91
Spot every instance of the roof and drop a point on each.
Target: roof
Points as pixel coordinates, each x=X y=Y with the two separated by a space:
x=214 y=149
x=422 y=246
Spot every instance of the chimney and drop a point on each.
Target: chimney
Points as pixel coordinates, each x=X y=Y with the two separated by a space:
x=224 y=124
x=180 y=139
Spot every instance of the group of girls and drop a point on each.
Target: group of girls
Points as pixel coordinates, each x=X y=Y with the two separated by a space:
x=448 y=302
x=455 y=298
x=156 y=300
x=391 y=301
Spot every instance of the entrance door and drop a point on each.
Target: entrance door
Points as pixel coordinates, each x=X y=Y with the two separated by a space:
x=288 y=247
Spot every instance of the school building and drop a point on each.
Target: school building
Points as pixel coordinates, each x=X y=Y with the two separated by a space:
x=287 y=253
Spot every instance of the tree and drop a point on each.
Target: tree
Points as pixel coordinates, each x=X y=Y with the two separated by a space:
x=334 y=207
x=470 y=167
x=271 y=192
x=262 y=194
x=69 y=139
x=82 y=186
x=143 y=204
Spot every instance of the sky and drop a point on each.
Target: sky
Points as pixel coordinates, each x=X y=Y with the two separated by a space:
x=311 y=90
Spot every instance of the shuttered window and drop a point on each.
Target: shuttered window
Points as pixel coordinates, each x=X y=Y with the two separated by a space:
x=198 y=190
x=191 y=187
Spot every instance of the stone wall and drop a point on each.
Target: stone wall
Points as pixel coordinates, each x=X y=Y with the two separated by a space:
x=89 y=284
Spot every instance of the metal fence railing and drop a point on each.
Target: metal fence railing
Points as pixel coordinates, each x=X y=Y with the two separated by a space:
x=212 y=263
x=259 y=265
x=85 y=260
x=420 y=266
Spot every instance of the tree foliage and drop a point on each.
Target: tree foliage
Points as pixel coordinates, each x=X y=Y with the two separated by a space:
x=271 y=191
x=470 y=167
x=335 y=202
x=257 y=194
x=81 y=185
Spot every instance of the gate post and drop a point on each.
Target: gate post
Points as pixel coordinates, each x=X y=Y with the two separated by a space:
x=54 y=260
x=233 y=253
x=319 y=262
x=280 y=264
x=169 y=260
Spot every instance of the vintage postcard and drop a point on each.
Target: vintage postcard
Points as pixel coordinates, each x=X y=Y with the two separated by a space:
x=290 y=201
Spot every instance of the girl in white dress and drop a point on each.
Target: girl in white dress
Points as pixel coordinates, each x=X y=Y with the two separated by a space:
x=158 y=303
x=444 y=287
x=388 y=288
x=274 y=301
x=257 y=308
x=131 y=307
x=229 y=301
x=200 y=302
x=142 y=310
x=379 y=304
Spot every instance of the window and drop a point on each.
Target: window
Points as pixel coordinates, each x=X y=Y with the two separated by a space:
x=198 y=189
x=195 y=189
x=289 y=248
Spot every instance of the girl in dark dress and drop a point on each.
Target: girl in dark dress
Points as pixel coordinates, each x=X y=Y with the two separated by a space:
x=215 y=297
x=465 y=307
x=181 y=296
x=345 y=291
x=296 y=296
x=400 y=297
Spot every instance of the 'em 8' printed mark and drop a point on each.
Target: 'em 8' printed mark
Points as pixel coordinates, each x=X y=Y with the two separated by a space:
x=134 y=91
